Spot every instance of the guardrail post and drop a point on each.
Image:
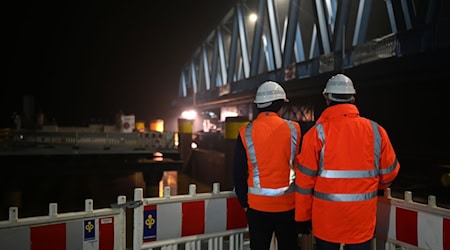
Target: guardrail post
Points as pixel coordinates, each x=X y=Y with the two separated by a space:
x=166 y=191
x=432 y=201
x=88 y=205
x=13 y=214
x=408 y=196
x=122 y=199
x=192 y=189
x=137 y=217
x=53 y=210
x=216 y=188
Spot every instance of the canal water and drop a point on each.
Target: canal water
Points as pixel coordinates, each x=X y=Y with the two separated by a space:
x=33 y=194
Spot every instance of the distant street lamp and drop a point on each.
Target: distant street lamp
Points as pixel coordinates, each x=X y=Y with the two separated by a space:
x=189 y=114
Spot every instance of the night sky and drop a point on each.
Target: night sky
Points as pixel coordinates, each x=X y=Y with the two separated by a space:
x=83 y=61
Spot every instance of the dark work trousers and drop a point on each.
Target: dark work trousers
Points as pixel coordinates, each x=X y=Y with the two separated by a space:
x=325 y=245
x=262 y=225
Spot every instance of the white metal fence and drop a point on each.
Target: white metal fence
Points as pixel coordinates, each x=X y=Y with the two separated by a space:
x=194 y=221
x=406 y=224
x=90 y=229
x=205 y=221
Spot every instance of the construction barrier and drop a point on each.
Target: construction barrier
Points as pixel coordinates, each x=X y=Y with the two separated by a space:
x=205 y=221
x=411 y=225
x=215 y=219
x=100 y=229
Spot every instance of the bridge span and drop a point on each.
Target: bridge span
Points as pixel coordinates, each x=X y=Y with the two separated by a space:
x=396 y=53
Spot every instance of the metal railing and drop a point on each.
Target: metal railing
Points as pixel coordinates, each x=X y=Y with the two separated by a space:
x=149 y=141
x=95 y=229
x=208 y=221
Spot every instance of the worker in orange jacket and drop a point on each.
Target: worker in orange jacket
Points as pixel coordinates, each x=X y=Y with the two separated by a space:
x=344 y=160
x=264 y=171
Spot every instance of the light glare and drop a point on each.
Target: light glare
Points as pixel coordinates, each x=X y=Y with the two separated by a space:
x=189 y=114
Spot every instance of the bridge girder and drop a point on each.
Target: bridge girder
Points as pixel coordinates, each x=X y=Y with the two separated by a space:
x=300 y=39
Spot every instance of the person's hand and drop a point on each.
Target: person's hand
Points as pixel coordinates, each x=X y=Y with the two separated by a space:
x=304 y=227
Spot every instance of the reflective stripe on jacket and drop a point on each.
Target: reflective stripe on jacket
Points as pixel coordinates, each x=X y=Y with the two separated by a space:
x=343 y=162
x=271 y=144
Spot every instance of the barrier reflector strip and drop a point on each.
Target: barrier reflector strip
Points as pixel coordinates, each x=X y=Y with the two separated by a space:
x=48 y=237
x=392 y=223
x=430 y=234
x=106 y=233
x=15 y=238
x=168 y=221
x=446 y=233
x=74 y=234
x=406 y=226
x=193 y=218
x=216 y=216
x=236 y=217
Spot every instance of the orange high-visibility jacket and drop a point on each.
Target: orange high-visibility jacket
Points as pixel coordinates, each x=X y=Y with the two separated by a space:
x=271 y=144
x=344 y=160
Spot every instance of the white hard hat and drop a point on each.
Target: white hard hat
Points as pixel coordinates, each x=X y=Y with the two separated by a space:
x=267 y=92
x=339 y=84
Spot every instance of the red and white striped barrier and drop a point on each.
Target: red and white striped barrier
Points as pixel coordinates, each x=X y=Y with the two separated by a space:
x=101 y=229
x=172 y=218
x=413 y=225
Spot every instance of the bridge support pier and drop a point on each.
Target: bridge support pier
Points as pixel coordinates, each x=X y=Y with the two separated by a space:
x=152 y=179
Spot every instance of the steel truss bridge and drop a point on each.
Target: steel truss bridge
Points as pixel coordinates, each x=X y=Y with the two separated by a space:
x=298 y=40
x=395 y=51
